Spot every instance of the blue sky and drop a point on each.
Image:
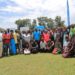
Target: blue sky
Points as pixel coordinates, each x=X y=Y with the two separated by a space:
x=11 y=10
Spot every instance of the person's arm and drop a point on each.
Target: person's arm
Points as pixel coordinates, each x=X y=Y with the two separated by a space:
x=52 y=44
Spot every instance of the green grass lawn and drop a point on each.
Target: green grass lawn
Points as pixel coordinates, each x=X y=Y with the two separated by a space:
x=37 y=64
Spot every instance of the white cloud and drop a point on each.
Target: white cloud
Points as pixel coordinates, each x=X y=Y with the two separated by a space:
x=11 y=9
x=45 y=7
x=35 y=8
x=8 y=22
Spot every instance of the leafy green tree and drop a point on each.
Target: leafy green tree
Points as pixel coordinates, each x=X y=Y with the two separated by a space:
x=23 y=22
x=33 y=24
x=47 y=22
x=42 y=20
x=50 y=23
x=59 y=22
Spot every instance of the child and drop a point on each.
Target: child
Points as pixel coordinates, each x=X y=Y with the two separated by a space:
x=50 y=45
x=27 y=49
x=42 y=46
x=34 y=47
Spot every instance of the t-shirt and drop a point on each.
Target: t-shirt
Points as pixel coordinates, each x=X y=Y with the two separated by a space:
x=15 y=37
x=27 y=37
x=36 y=35
x=66 y=43
x=42 y=44
x=46 y=37
x=6 y=38
x=0 y=37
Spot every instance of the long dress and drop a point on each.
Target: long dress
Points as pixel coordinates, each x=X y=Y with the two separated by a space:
x=13 y=50
x=13 y=46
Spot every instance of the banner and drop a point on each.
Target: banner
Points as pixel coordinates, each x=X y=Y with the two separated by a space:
x=68 y=14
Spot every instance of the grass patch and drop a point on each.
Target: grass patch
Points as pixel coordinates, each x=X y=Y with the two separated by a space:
x=37 y=64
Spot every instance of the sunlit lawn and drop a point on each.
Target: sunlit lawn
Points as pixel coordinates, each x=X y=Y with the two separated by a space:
x=37 y=64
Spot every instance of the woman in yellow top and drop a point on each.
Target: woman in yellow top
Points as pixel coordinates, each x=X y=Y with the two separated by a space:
x=16 y=35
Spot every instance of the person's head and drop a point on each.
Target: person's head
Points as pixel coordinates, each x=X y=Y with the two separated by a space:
x=16 y=31
x=28 y=31
x=36 y=30
x=8 y=30
x=12 y=31
x=42 y=40
x=23 y=32
x=5 y=32
x=45 y=31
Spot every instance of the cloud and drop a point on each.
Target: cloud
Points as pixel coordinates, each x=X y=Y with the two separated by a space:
x=34 y=8
x=12 y=9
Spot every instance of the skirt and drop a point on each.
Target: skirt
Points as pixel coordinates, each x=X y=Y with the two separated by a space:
x=13 y=47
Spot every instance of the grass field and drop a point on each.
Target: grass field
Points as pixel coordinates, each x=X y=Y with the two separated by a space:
x=37 y=64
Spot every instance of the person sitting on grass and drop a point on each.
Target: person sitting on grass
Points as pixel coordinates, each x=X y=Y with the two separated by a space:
x=50 y=46
x=42 y=46
x=66 y=42
x=27 y=49
x=34 y=46
x=57 y=47
x=69 y=51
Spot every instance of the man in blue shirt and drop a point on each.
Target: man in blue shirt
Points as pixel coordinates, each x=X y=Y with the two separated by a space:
x=36 y=36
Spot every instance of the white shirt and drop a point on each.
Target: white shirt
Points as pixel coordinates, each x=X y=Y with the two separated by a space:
x=0 y=37
x=27 y=37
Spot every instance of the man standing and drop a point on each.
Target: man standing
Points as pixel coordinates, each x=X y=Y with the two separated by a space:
x=36 y=36
x=6 y=42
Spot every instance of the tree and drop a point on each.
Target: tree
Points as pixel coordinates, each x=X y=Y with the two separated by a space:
x=23 y=22
x=47 y=22
x=42 y=20
x=50 y=23
x=27 y=22
x=59 y=22
x=33 y=24
x=19 y=23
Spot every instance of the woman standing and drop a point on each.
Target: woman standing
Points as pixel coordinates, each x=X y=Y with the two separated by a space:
x=46 y=36
x=12 y=44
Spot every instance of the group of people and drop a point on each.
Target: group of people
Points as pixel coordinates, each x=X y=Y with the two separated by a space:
x=58 y=41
